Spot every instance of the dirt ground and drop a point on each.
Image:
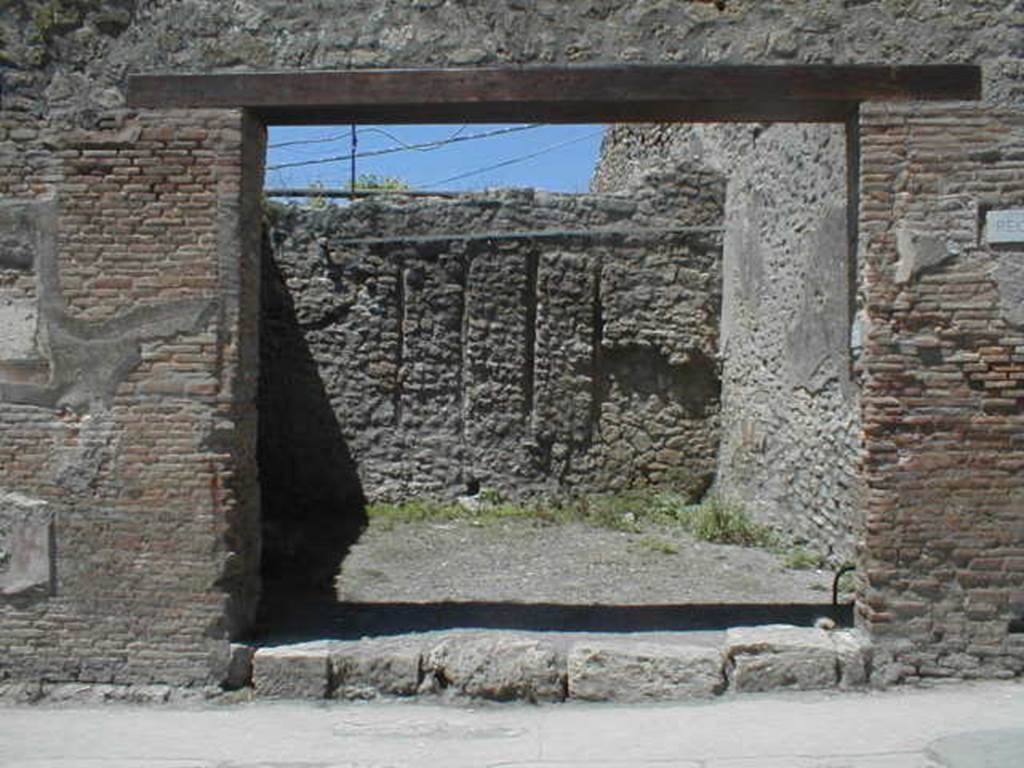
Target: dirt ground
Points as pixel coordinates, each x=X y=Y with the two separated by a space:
x=527 y=561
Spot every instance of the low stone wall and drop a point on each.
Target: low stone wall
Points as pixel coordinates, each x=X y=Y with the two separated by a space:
x=517 y=341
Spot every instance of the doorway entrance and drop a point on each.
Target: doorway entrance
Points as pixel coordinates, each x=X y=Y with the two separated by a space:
x=611 y=94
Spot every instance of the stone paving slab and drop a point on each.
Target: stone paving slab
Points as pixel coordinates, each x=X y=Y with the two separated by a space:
x=980 y=749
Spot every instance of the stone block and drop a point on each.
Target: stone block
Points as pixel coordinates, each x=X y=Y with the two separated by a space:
x=20 y=221
x=239 y=673
x=292 y=671
x=779 y=656
x=918 y=251
x=18 y=318
x=496 y=666
x=624 y=670
x=367 y=669
x=854 y=653
x=25 y=545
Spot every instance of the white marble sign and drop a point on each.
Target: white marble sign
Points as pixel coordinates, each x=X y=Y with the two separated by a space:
x=1005 y=226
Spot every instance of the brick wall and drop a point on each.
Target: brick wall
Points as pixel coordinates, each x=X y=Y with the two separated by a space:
x=135 y=441
x=943 y=390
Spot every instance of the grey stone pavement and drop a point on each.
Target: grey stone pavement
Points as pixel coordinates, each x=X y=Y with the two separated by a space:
x=956 y=725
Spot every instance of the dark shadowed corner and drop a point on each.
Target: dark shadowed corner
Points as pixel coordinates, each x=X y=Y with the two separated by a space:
x=313 y=503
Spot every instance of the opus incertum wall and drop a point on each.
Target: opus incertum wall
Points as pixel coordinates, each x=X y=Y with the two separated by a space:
x=129 y=287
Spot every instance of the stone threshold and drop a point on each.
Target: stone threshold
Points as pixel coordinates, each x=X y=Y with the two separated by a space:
x=552 y=667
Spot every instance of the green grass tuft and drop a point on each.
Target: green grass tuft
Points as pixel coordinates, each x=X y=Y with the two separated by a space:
x=725 y=522
x=799 y=559
x=658 y=545
x=635 y=511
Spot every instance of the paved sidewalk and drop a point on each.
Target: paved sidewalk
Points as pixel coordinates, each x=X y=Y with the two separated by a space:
x=956 y=725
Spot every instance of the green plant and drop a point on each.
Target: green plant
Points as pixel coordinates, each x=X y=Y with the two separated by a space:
x=54 y=17
x=799 y=559
x=725 y=522
x=659 y=545
x=631 y=509
x=491 y=496
x=272 y=211
x=848 y=583
x=387 y=515
x=316 y=202
x=373 y=182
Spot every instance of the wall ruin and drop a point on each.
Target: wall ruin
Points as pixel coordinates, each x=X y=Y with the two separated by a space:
x=144 y=451
x=527 y=343
x=790 y=425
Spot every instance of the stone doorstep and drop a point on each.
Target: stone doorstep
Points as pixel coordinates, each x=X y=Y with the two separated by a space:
x=506 y=666
x=780 y=656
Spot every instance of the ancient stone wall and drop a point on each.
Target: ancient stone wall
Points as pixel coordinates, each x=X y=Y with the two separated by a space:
x=514 y=341
x=790 y=418
x=151 y=494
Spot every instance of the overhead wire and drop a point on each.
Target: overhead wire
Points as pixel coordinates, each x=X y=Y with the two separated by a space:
x=423 y=146
x=339 y=136
x=514 y=160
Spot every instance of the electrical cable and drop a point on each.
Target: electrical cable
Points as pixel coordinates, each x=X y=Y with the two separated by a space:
x=392 y=150
x=338 y=136
x=514 y=160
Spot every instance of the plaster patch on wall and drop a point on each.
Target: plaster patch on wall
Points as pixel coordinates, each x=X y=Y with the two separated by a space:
x=18 y=234
x=918 y=252
x=25 y=545
x=1009 y=275
x=18 y=318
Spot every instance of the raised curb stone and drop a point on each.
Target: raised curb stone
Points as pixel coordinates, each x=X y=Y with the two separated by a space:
x=371 y=668
x=630 y=671
x=292 y=671
x=855 y=655
x=495 y=667
x=780 y=656
x=239 y=672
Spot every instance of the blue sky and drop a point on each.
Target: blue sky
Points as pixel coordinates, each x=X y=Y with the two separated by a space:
x=563 y=156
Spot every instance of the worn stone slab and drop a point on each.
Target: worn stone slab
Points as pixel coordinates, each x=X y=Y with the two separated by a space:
x=780 y=656
x=367 y=669
x=995 y=747
x=854 y=653
x=627 y=671
x=496 y=666
x=292 y=671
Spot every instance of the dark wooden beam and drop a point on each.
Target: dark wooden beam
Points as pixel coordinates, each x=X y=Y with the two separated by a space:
x=560 y=94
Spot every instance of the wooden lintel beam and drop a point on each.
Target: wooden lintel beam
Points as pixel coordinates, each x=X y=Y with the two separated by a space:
x=560 y=94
